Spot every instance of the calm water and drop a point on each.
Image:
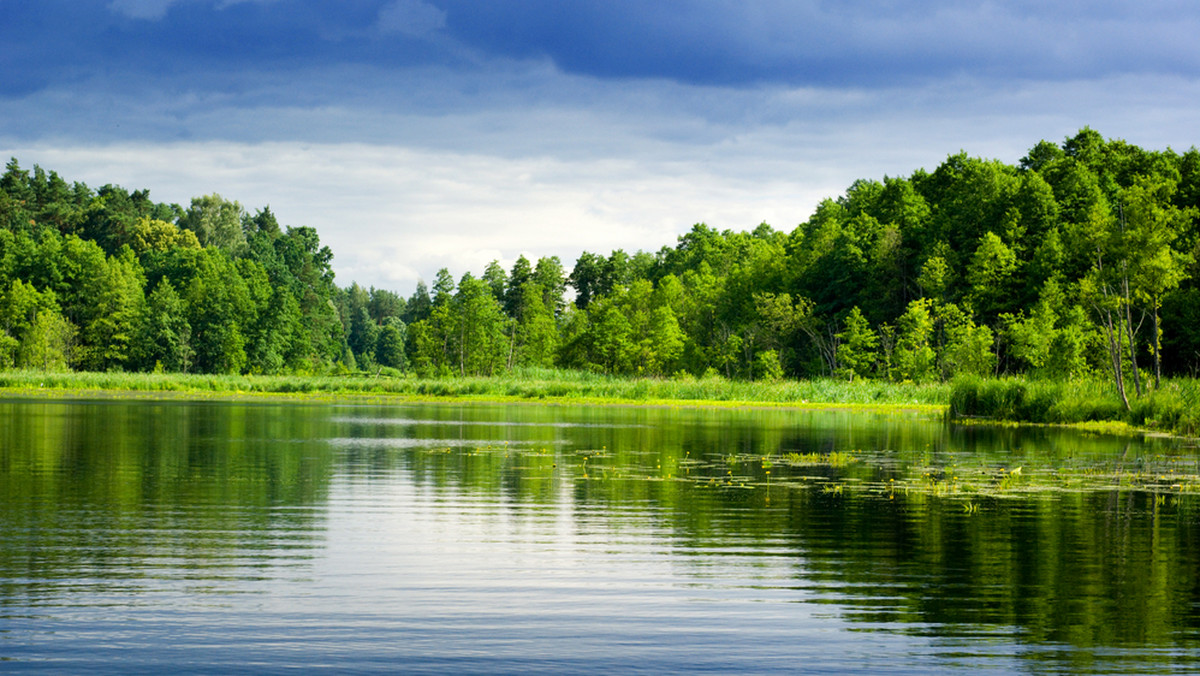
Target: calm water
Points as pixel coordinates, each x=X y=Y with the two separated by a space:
x=144 y=537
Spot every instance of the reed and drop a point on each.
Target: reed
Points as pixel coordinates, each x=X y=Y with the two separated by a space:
x=522 y=384
x=1174 y=407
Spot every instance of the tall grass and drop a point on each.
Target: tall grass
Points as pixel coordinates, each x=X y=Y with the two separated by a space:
x=1174 y=407
x=531 y=384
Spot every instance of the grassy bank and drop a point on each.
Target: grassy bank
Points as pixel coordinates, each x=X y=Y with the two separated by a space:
x=523 y=385
x=1173 y=408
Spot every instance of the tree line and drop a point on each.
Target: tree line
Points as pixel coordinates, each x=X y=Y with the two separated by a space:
x=1081 y=259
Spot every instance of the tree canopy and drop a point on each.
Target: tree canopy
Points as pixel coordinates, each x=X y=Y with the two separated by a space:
x=1080 y=259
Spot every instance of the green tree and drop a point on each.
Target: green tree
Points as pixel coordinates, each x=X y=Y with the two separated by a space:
x=481 y=340
x=663 y=343
x=275 y=335
x=913 y=356
x=362 y=331
x=305 y=268
x=767 y=366
x=109 y=219
x=421 y=344
x=216 y=222
x=1069 y=348
x=613 y=339
x=990 y=275
x=20 y=307
x=48 y=343
x=497 y=280
x=389 y=346
x=219 y=305
x=164 y=337
x=1029 y=338
x=262 y=223
x=968 y=347
x=386 y=305
x=111 y=311
x=857 y=344
x=151 y=234
x=934 y=278
x=419 y=305
x=443 y=288
x=549 y=276
x=536 y=332
x=18 y=197
x=586 y=278
x=1152 y=225
x=522 y=274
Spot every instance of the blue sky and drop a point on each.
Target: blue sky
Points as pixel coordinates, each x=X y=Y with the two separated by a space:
x=417 y=134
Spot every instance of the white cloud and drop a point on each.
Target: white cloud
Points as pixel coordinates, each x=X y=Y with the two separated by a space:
x=410 y=17
x=151 y=10
x=492 y=165
x=393 y=215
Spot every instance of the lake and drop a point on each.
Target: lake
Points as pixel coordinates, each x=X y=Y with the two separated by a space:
x=209 y=537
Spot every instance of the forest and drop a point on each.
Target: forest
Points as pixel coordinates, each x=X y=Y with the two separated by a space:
x=1079 y=261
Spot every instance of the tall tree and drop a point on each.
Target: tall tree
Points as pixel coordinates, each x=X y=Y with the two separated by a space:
x=481 y=324
x=522 y=273
x=550 y=277
x=216 y=222
x=1152 y=225
x=165 y=336
x=856 y=347
x=497 y=280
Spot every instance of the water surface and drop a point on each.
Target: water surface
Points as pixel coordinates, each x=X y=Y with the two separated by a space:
x=210 y=537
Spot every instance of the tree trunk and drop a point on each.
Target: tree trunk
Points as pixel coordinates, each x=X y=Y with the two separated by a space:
x=512 y=345
x=1157 y=343
x=1112 y=332
x=1114 y=350
x=1137 y=378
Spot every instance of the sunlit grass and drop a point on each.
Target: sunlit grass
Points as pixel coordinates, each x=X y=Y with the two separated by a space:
x=1174 y=407
x=522 y=384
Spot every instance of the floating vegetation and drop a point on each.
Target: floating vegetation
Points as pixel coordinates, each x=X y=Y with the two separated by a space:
x=970 y=481
x=831 y=459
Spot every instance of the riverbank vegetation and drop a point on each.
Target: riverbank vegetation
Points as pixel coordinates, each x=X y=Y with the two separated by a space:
x=525 y=384
x=1071 y=276
x=1173 y=407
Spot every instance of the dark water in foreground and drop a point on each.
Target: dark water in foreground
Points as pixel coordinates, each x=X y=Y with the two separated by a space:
x=215 y=537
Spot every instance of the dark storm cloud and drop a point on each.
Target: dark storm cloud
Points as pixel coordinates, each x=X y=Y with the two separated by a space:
x=416 y=134
x=208 y=44
x=806 y=42
x=200 y=44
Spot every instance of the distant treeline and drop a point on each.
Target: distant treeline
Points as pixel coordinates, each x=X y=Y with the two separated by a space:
x=1080 y=260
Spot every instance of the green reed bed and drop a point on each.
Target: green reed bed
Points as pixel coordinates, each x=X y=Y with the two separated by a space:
x=1174 y=407
x=523 y=384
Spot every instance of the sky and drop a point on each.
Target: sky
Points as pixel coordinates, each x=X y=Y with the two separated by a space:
x=421 y=134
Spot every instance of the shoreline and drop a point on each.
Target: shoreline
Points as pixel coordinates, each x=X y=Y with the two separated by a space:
x=570 y=388
x=383 y=397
